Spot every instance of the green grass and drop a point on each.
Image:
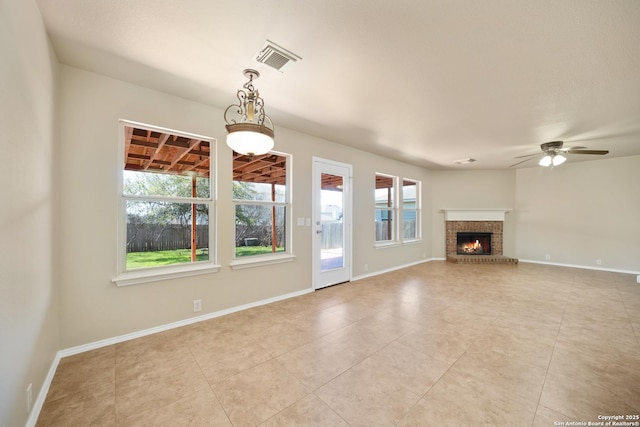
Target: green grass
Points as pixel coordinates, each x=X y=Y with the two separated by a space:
x=181 y=256
x=159 y=258
x=255 y=250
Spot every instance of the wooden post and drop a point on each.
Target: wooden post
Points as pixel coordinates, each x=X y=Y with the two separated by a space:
x=274 y=235
x=193 y=220
x=389 y=204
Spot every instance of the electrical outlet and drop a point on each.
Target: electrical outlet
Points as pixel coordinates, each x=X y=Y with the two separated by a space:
x=599 y=261
x=366 y=267
x=547 y=257
x=29 y=397
x=197 y=305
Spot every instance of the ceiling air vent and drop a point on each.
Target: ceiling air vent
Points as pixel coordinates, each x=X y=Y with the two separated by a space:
x=276 y=57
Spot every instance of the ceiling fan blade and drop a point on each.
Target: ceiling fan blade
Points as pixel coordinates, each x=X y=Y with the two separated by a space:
x=516 y=164
x=527 y=155
x=570 y=149
x=600 y=152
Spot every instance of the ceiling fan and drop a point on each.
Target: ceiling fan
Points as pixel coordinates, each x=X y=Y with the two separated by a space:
x=553 y=153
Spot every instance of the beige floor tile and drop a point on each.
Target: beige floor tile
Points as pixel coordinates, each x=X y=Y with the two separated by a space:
x=226 y=356
x=452 y=402
x=146 y=388
x=322 y=360
x=546 y=417
x=443 y=340
x=587 y=313
x=319 y=362
x=78 y=410
x=533 y=347
x=599 y=337
x=492 y=373
x=198 y=409
x=434 y=344
x=388 y=325
x=257 y=394
x=419 y=313
x=636 y=331
x=164 y=348
x=586 y=384
x=533 y=316
x=310 y=411
x=352 y=310
x=242 y=322
x=410 y=368
x=632 y=308
x=318 y=323
x=88 y=375
x=364 y=398
x=283 y=337
x=582 y=400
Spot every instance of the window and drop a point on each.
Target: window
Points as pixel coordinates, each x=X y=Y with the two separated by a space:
x=386 y=208
x=167 y=204
x=261 y=200
x=411 y=205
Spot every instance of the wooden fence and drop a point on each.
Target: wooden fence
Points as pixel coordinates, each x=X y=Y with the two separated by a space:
x=382 y=229
x=159 y=237
x=331 y=235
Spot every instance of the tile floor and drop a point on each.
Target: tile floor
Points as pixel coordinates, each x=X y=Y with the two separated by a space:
x=438 y=344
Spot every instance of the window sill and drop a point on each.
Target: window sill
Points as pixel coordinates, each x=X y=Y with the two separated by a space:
x=257 y=261
x=387 y=245
x=412 y=242
x=163 y=273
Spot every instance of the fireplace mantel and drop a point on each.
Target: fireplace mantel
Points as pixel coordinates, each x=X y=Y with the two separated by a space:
x=474 y=214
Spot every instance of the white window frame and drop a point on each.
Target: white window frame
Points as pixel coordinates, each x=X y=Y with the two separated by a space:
x=394 y=213
x=417 y=210
x=271 y=258
x=126 y=277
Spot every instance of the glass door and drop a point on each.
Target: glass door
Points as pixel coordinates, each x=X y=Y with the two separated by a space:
x=332 y=223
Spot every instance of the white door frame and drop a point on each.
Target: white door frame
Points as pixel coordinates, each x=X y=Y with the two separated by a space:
x=323 y=279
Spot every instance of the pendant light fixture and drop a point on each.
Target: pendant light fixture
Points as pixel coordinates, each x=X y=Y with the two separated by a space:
x=249 y=130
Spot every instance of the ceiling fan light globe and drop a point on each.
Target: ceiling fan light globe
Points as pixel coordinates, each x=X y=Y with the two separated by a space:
x=558 y=160
x=545 y=161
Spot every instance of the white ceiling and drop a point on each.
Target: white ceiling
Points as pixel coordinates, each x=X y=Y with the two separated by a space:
x=428 y=82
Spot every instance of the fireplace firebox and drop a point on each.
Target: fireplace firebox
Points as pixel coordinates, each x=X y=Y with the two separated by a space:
x=473 y=243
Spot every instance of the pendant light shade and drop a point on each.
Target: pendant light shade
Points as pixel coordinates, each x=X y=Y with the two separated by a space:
x=249 y=130
x=254 y=140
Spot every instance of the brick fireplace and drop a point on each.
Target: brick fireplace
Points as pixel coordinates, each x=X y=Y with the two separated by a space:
x=478 y=221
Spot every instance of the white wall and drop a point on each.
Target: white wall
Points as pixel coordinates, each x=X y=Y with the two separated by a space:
x=581 y=212
x=91 y=306
x=472 y=190
x=28 y=294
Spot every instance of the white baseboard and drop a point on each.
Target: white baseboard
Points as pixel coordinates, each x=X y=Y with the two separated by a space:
x=133 y=335
x=388 y=270
x=584 y=267
x=42 y=395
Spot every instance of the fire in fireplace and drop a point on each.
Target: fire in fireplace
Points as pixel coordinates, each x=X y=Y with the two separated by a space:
x=473 y=243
